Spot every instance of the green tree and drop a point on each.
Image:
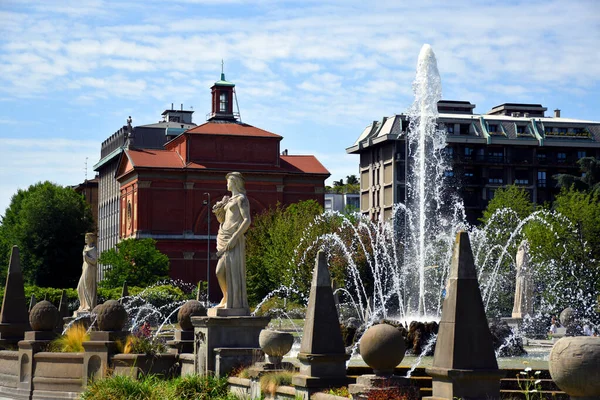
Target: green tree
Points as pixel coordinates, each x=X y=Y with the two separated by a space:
x=136 y=261
x=351 y=180
x=48 y=223
x=272 y=247
x=590 y=179
x=566 y=249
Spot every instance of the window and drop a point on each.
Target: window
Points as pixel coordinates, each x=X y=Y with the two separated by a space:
x=521 y=129
x=223 y=102
x=561 y=157
x=173 y=118
x=450 y=128
x=496 y=176
x=521 y=177
x=468 y=151
x=541 y=178
x=562 y=131
x=469 y=174
x=581 y=154
x=493 y=128
x=495 y=155
x=448 y=173
x=449 y=151
x=548 y=130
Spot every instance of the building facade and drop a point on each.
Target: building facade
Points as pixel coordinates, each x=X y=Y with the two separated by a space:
x=167 y=194
x=342 y=202
x=511 y=144
x=152 y=136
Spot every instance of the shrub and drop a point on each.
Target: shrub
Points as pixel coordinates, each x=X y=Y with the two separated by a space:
x=125 y=387
x=72 y=340
x=276 y=306
x=199 y=387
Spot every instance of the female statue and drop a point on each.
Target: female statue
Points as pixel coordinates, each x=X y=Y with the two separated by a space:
x=523 y=303
x=233 y=214
x=86 y=289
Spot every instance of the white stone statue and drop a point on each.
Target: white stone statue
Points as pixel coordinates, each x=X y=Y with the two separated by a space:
x=523 y=304
x=86 y=289
x=233 y=213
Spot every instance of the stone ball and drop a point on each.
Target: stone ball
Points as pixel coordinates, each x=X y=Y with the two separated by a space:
x=111 y=316
x=567 y=316
x=190 y=309
x=575 y=366
x=43 y=316
x=275 y=344
x=382 y=348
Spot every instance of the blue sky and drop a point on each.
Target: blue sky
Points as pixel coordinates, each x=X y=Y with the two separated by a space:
x=315 y=72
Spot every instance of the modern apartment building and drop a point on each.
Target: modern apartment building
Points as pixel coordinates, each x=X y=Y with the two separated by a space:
x=510 y=144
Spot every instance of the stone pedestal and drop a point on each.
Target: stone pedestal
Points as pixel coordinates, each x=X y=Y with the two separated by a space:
x=34 y=342
x=183 y=342
x=98 y=351
x=465 y=384
x=236 y=337
x=387 y=386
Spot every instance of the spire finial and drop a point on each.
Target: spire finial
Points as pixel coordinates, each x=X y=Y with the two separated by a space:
x=222 y=70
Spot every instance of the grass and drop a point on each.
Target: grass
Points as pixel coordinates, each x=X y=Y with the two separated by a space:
x=270 y=382
x=71 y=341
x=151 y=387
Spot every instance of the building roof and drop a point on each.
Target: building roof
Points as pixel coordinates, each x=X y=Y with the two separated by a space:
x=306 y=164
x=230 y=128
x=150 y=158
x=154 y=158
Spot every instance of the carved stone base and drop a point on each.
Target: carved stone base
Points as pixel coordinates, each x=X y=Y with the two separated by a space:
x=228 y=312
x=229 y=333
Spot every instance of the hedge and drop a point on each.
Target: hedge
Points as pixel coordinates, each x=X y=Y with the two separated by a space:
x=158 y=296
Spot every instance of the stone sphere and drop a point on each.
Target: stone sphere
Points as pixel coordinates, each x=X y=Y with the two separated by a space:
x=111 y=316
x=43 y=316
x=275 y=344
x=575 y=366
x=190 y=309
x=382 y=348
x=567 y=316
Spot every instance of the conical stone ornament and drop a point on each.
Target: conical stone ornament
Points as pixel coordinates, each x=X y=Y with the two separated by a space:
x=124 y=292
x=322 y=352
x=14 y=318
x=32 y=302
x=464 y=364
x=63 y=306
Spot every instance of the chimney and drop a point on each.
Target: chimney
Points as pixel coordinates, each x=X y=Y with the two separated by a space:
x=557 y=113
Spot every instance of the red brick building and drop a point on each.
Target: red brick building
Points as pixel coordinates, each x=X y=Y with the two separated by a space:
x=164 y=193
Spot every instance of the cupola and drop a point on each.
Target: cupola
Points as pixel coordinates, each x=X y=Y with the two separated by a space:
x=223 y=96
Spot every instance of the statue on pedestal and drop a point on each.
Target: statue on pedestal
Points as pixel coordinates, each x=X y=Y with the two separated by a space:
x=523 y=304
x=86 y=289
x=233 y=214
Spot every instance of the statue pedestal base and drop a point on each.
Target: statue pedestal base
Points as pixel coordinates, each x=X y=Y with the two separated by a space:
x=228 y=312
x=224 y=343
